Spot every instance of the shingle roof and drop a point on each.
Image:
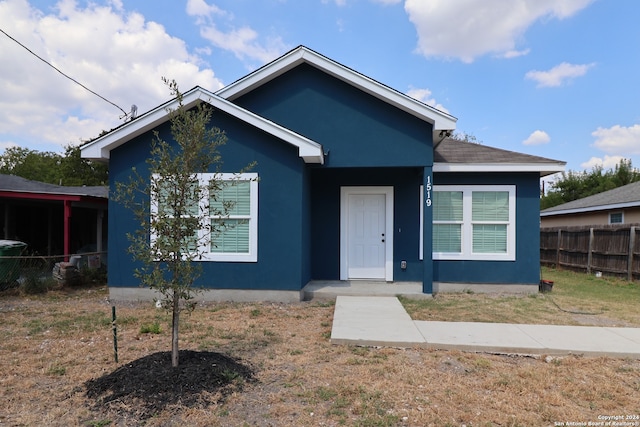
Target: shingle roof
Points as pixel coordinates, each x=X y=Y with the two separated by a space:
x=452 y=155
x=625 y=196
x=455 y=151
x=23 y=185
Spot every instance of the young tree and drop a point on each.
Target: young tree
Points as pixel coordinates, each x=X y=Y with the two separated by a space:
x=166 y=204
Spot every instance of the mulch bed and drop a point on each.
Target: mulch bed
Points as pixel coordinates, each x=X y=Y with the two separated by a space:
x=150 y=384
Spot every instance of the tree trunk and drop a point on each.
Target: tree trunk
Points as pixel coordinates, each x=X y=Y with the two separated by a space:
x=174 y=329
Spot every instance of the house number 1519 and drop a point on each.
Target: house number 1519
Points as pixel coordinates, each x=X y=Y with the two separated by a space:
x=428 y=191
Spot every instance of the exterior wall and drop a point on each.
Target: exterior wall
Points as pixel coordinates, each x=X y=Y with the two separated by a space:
x=354 y=128
x=283 y=206
x=526 y=268
x=325 y=218
x=630 y=216
x=366 y=142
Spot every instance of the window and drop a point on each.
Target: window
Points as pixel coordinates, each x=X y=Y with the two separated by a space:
x=616 y=218
x=473 y=222
x=229 y=217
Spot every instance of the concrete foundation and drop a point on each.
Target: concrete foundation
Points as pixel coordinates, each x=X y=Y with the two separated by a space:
x=483 y=288
x=210 y=295
x=329 y=289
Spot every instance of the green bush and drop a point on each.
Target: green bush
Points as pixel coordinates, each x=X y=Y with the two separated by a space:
x=34 y=281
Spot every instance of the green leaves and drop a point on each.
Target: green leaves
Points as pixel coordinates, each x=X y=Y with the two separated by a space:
x=53 y=168
x=577 y=185
x=166 y=204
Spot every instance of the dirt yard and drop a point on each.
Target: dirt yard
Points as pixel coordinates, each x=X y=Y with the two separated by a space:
x=273 y=365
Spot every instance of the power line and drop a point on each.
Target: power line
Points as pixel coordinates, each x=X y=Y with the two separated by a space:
x=67 y=76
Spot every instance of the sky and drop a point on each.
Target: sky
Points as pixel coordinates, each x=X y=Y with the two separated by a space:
x=552 y=78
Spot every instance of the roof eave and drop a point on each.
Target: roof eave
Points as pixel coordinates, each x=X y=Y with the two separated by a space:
x=588 y=209
x=100 y=149
x=543 y=168
x=439 y=119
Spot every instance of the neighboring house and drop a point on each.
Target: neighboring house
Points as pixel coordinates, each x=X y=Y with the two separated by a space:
x=52 y=219
x=618 y=206
x=349 y=187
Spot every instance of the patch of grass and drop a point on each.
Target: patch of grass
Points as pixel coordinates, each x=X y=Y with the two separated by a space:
x=360 y=351
x=374 y=411
x=482 y=363
x=231 y=376
x=325 y=393
x=56 y=370
x=35 y=326
x=324 y=304
x=576 y=298
x=302 y=378
x=67 y=323
x=151 y=328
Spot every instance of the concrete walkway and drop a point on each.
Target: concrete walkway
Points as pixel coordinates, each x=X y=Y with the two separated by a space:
x=383 y=321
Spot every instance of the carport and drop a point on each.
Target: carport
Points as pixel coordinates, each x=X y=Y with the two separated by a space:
x=52 y=219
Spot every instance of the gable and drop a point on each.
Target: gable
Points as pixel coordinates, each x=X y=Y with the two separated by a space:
x=100 y=148
x=354 y=127
x=440 y=120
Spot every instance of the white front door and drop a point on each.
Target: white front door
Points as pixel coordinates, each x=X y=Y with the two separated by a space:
x=367 y=213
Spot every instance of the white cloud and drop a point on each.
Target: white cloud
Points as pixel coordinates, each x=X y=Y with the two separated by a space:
x=618 y=139
x=424 y=95
x=201 y=8
x=244 y=42
x=538 y=137
x=515 y=53
x=123 y=62
x=337 y=2
x=609 y=162
x=466 y=29
x=559 y=74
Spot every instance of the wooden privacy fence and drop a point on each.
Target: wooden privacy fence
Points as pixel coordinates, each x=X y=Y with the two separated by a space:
x=607 y=249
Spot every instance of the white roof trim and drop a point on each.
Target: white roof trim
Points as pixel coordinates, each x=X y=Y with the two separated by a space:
x=302 y=54
x=543 y=168
x=592 y=209
x=100 y=149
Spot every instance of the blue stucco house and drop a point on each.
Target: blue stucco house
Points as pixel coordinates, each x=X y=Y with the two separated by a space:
x=356 y=181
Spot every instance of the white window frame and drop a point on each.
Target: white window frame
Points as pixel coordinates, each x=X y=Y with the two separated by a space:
x=204 y=234
x=467 y=224
x=621 y=217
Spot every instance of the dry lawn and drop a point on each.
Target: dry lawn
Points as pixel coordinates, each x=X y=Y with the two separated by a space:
x=51 y=345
